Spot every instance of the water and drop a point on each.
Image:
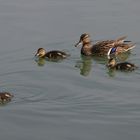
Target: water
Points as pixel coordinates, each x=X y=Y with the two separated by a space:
x=75 y=99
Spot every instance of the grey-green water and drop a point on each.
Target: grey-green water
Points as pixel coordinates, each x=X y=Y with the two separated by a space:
x=75 y=99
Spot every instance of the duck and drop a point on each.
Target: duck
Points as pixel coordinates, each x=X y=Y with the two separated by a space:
x=123 y=66
x=105 y=47
x=54 y=54
x=5 y=97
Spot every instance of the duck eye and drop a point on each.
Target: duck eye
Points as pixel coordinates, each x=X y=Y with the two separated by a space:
x=86 y=36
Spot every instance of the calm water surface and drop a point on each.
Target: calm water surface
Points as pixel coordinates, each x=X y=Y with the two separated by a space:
x=75 y=99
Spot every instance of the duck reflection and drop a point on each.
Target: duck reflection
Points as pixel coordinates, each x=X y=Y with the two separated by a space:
x=85 y=65
x=122 y=56
x=40 y=61
x=111 y=72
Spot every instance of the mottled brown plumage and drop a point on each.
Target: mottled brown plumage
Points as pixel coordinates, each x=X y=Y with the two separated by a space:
x=124 y=66
x=55 y=54
x=5 y=97
x=101 y=48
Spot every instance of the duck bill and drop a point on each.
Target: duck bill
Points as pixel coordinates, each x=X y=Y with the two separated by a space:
x=78 y=44
x=37 y=54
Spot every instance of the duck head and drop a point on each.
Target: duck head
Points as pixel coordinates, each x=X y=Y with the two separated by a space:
x=41 y=52
x=84 y=39
x=111 y=63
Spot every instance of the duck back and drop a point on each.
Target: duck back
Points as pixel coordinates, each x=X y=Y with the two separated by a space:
x=126 y=66
x=56 y=54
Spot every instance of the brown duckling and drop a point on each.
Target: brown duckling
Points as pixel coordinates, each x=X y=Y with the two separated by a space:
x=102 y=48
x=5 y=97
x=55 y=54
x=124 y=66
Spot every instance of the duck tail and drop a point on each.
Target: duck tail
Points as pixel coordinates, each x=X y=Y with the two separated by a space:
x=121 y=39
x=131 y=46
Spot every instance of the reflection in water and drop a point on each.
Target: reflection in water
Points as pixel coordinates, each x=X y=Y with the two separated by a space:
x=40 y=61
x=4 y=103
x=123 y=56
x=111 y=72
x=85 y=65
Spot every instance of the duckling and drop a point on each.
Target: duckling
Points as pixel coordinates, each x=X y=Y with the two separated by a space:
x=55 y=54
x=102 y=48
x=124 y=66
x=5 y=97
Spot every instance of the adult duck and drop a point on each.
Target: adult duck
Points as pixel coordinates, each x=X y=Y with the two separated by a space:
x=102 y=48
